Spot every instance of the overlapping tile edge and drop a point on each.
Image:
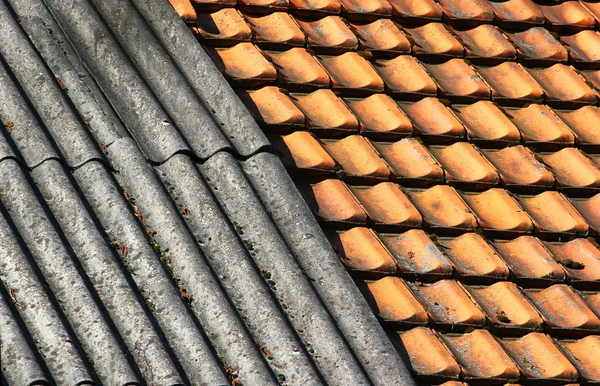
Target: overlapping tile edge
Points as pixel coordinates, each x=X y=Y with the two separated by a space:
x=183 y=255
x=328 y=150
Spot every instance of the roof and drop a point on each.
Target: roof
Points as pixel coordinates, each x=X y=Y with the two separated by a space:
x=450 y=151
x=148 y=232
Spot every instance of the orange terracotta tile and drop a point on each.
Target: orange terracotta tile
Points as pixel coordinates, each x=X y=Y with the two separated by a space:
x=485 y=122
x=427 y=355
x=538 y=358
x=350 y=72
x=416 y=253
x=481 y=356
x=432 y=119
x=325 y=111
x=457 y=79
x=386 y=204
x=357 y=157
x=263 y=6
x=300 y=150
x=592 y=299
x=184 y=9
x=453 y=383
x=447 y=302
x=585 y=356
x=299 y=69
x=518 y=167
x=537 y=45
x=224 y=27
x=404 y=75
x=465 y=166
x=579 y=258
x=393 y=302
x=434 y=39
x=529 y=260
x=486 y=44
x=467 y=11
x=416 y=10
x=592 y=7
x=589 y=208
x=584 y=47
x=382 y=38
x=573 y=169
x=568 y=16
x=275 y=30
x=472 y=256
x=410 y=160
x=212 y=5
x=361 y=250
x=331 y=200
x=584 y=123
x=366 y=9
x=517 y=13
x=562 y=84
x=506 y=306
x=552 y=213
x=380 y=117
x=328 y=35
x=496 y=210
x=273 y=109
x=509 y=81
x=563 y=309
x=243 y=63
x=539 y=125
x=442 y=207
x=313 y=8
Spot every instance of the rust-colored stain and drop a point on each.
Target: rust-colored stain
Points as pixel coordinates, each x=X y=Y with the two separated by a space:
x=9 y=125
x=450 y=150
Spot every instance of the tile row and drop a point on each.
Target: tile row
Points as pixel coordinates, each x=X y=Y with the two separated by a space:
x=385 y=38
x=480 y=356
x=416 y=255
x=444 y=209
x=406 y=77
x=565 y=16
x=503 y=307
x=462 y=164
x=381 y=118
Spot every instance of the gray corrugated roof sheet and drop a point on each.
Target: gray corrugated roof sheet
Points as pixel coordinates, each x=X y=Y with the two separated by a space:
x=147 y=234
